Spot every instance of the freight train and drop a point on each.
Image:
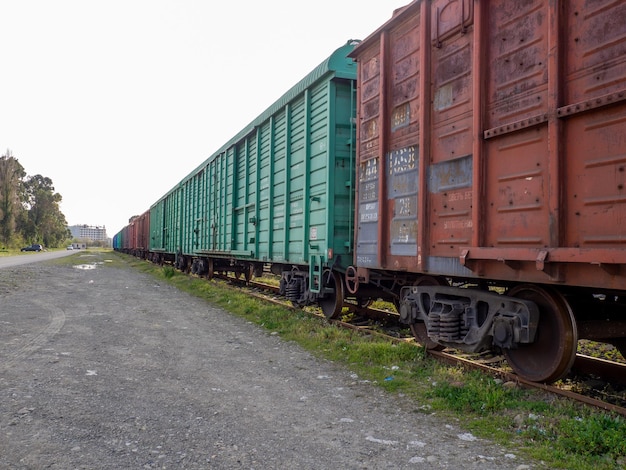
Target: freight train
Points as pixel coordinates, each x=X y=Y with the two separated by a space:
x=466 y=161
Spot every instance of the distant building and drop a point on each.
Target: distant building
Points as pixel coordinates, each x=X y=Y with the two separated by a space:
x=89 y=232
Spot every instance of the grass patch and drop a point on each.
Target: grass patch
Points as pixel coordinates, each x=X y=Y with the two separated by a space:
x=556 y=431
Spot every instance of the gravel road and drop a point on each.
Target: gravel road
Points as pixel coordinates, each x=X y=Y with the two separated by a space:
x=102 y=367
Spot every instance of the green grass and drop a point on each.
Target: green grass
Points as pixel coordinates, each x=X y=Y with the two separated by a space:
x=555 y=431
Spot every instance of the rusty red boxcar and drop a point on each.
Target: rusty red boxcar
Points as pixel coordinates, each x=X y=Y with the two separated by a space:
x=141 y=243
x=491 y=195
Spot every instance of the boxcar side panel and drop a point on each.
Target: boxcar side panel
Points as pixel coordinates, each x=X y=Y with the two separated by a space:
x=281 y=200
x=243 y=210
x=294 y=191
x=187 y=187
x=227 y=201
x=132 y=236
x=389 y=146
x=518 y=163
x=555 y=141
x=369 y=239
x=265 y=176
x=449 y=184
x=172 y=219
x=216 y=204
x=126 y=238
x=246 y=220
x=342 y=170
x=202 y=225
x=195 y=204
x=143 y=231
x=156 y=226
x=595 y=75
x=318 y=204
x=492 y=141
x=278 y=144
x=295 y=177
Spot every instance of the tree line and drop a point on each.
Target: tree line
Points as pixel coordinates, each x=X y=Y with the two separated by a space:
x=29 y=208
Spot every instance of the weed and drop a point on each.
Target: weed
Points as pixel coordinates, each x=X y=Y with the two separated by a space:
x=168 y=272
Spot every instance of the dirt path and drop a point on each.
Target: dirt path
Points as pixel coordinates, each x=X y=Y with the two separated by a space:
x=104 y=368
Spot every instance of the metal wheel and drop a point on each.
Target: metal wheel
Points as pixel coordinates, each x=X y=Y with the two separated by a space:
x=419 y=328
x=332 y=304
x=246 y=272
x=194 y=266
x=352 y=280
x=552 y=353
x=421 y=336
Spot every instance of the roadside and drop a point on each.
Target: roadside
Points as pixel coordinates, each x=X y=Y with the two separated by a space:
x=102 y=367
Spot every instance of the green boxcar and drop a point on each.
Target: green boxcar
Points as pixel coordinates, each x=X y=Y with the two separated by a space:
x=117 y=241
x=278 y=193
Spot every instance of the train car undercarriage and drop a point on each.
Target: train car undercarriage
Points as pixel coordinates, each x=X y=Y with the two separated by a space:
x=535 y=327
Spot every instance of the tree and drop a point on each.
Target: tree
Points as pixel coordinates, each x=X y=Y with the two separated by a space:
x=11 y=196
x=45 y=221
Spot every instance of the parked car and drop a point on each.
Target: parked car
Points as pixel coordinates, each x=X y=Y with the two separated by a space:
x=70 y=247
x=35 y=247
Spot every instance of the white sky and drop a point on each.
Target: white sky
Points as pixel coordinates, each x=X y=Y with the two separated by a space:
x=117 y=100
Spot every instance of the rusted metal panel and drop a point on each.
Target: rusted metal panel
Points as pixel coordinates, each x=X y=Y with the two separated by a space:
x=142 y=224
x=556 y=141
x=402 y=190
x=452 y=74
x=368 y=210
x=388 y=145
x=492 y=141
x=594 y=120
x=517 y=210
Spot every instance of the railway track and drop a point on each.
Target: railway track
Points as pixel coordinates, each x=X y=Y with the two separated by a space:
x=595 y=382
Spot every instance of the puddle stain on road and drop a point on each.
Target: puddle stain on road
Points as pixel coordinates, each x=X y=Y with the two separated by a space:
x=86 y=266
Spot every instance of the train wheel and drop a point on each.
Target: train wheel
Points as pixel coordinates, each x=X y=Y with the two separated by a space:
x=419 y=328
x=552 y=353
x=246 y=272
x=333 y=303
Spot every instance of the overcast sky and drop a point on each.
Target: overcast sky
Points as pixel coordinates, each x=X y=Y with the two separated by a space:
x=116 y=101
